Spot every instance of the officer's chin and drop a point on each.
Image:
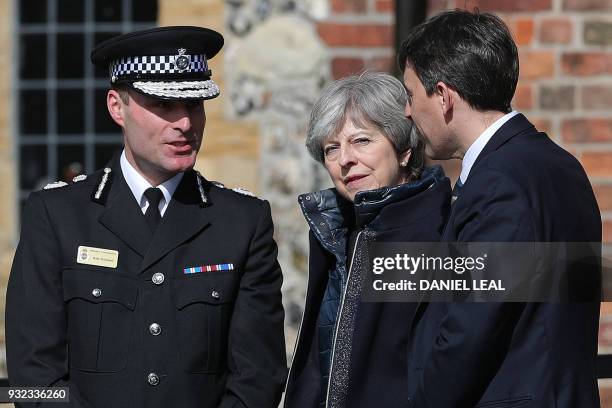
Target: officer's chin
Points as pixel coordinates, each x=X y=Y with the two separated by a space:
x=179 y=164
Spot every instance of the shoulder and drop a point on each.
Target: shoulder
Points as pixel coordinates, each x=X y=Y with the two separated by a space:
x=236 y=205
x=61 y=198
x=526 y=150
x=79 y=185
x=227 y=195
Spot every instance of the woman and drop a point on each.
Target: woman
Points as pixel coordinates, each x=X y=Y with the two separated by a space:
x=352 y=353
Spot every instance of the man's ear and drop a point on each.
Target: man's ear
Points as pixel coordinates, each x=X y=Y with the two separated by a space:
x=446 y=96
x=116 y=107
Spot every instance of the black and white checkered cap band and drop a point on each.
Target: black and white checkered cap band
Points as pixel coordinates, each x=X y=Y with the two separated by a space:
x=156 y=65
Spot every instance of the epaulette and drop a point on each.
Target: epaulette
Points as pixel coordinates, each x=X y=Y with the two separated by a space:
x=78 y=178
x=56 y=184
x=238 y=190
x=244 y=192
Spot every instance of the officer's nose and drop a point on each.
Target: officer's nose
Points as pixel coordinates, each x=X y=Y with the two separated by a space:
x=183 y=121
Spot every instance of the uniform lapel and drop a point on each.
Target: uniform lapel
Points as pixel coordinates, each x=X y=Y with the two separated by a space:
x=184 y=218
x=123 y=216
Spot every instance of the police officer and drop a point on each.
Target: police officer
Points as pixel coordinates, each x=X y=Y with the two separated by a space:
x=144 y=284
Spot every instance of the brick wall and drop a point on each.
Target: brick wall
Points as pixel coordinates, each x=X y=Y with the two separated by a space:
x=359 y=34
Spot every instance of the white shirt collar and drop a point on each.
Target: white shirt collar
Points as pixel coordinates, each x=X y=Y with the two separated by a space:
x=474 y=151
x=139 y=184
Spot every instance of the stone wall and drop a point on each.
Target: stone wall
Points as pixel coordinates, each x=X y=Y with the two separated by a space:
x=275 y=66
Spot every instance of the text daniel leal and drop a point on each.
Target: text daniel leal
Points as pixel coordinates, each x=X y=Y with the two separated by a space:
x=449 y=284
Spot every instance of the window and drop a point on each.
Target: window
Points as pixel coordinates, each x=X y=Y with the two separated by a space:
x=63 y=127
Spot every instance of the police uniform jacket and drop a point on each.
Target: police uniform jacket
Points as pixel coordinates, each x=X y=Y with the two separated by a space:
x=146 y=333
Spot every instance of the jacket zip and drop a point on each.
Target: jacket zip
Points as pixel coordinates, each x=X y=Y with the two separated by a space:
x=348 y=278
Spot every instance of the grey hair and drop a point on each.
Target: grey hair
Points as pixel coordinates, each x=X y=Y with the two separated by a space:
x=371 y=99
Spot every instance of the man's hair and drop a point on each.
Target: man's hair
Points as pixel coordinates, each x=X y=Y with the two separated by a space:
x=123 y=91
x=471 y=52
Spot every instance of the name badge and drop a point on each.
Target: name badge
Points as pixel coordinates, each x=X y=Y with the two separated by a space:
x=97 y=256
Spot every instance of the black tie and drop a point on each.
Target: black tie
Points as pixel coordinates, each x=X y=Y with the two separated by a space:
x=456 y=190
x=154 y=196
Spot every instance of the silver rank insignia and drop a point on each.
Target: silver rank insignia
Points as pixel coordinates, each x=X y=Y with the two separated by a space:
x=182 y=61
x=102 y=184
x=203 y=196
x=80 y=177
x=56 y=184
x=243 y=192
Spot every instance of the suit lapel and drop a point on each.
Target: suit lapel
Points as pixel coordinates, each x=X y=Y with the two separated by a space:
x=184 y=218
x=513 y=127
x=123 y=216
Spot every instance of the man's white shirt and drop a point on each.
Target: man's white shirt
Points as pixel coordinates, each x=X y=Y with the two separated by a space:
x=138 y=184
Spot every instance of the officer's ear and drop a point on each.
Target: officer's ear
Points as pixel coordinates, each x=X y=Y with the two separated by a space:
x=115 y=102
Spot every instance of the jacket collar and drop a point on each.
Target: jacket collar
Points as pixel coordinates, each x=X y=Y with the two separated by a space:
x=186 y=214
x=329 y=216
x=516 y=125
x=369 y=204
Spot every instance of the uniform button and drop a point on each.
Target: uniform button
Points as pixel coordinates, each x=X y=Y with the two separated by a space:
x=158 y=278
x=96 y=292
x=153 y=379
x=215 y=294
x=155 y=329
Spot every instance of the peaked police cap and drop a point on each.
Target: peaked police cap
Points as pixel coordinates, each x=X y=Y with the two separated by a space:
x=164 y=62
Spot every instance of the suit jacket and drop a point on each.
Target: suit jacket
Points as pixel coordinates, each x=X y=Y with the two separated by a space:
x=220 y=337
x=522 y=188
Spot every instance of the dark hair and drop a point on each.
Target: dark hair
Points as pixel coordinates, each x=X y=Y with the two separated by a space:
x=471 y=52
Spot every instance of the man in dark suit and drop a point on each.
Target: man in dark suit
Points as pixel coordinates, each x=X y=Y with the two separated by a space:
x=145 y=285
x=516 y=185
